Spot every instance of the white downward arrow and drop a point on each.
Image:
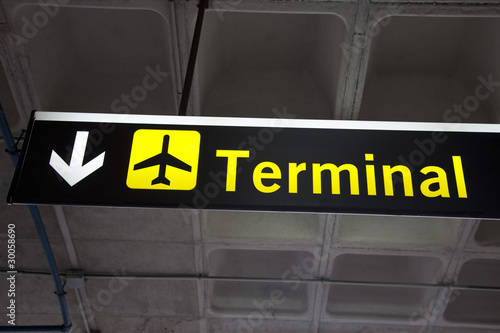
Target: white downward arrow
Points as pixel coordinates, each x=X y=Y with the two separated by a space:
x=76 y=171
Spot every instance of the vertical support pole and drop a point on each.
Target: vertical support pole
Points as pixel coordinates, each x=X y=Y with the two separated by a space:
x=188 y=80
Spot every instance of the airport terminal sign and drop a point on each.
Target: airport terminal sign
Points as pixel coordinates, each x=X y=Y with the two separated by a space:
x=424 y=169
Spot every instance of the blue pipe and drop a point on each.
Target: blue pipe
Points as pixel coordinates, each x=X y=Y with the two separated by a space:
x=35 y=213
x=7 y=135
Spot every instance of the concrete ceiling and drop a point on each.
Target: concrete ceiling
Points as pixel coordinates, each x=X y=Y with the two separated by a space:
x=158 y=270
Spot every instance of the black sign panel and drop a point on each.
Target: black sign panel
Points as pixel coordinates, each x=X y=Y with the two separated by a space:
x=424 y=169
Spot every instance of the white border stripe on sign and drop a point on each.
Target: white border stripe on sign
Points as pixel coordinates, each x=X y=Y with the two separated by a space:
x=264 y=122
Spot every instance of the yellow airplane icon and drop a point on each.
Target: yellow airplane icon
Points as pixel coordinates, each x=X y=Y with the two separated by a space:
x=164 y=159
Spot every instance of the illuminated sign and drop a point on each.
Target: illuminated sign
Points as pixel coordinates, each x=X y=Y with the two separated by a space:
x=425 y=169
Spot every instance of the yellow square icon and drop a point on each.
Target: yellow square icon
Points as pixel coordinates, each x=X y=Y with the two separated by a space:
x=164 y=160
